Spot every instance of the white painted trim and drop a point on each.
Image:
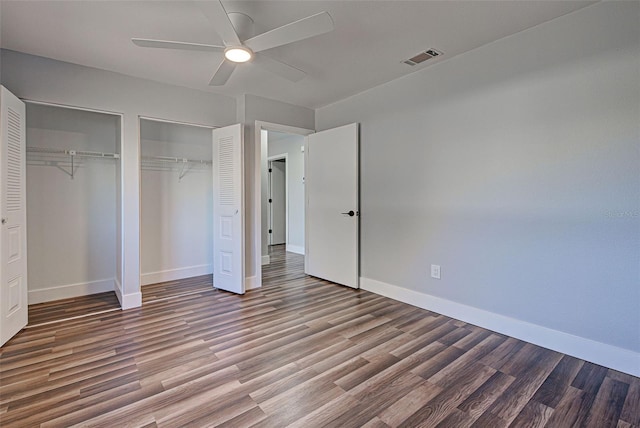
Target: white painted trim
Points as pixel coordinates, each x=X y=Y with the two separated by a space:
x=251 y=283
x=257 y=142
x=266 y=260
x=71 y=107
x=117 y=287
x=620 y=359
x=71 y=290
x=173 y=274
x=295 y=249
x=177 y=122
x=132 y=300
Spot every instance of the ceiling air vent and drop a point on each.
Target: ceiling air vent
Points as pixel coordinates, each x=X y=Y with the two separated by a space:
x=422 y=57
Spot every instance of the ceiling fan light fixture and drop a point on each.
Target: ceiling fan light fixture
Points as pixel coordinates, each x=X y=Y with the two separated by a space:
x=238 y=54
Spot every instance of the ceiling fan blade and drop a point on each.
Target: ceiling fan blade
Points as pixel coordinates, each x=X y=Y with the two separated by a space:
x=299 y=30
x=167 y=44
x=215 y=13
x=280 y=68
x=222 y=73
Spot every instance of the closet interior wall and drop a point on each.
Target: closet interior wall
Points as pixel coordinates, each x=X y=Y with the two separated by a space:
x=72 y=219
x=176 y=202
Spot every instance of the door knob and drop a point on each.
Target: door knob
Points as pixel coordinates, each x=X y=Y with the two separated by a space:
x=350 y=213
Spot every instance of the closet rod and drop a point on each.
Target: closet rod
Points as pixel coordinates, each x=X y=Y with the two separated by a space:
x=169 y=159
x=72 y=155
x=78 y=153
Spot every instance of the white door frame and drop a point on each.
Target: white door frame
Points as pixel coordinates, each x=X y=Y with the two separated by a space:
x=176 y=122
x=284 y=156
x=257 y=200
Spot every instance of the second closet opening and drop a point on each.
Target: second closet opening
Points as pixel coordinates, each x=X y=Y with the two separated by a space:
x=176 y=209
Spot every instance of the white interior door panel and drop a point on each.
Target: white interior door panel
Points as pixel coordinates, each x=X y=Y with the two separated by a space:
x=332 y=211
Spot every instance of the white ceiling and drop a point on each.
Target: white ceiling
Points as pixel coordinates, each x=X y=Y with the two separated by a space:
x=366 y=49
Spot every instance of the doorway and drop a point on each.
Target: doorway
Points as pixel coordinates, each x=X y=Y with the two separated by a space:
x=277 y=201
x=176 y=208
x=73 y=191
x=280 y=142
x=334 y=216
x=284 y=198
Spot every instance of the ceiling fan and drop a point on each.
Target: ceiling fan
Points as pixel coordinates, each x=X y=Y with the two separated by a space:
x=236 y=51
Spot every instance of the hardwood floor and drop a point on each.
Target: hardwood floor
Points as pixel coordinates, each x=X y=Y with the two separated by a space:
x=298 y=352
x=94 y=304
x=172 y=289
x=75 y=307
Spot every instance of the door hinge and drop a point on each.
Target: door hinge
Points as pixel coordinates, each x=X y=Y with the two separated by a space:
x=270 y=170
x=270 y=200
x=270 y=231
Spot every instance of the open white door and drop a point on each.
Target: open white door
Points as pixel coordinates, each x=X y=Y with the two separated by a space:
x=332 y=216
x=228 y=209
x=14 y=308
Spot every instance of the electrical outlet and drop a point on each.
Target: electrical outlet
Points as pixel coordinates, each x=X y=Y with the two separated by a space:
x=435 y=271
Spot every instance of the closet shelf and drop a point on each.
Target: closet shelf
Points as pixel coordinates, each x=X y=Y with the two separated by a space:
x=166 y=163
x=169 y=159
x=72 y=153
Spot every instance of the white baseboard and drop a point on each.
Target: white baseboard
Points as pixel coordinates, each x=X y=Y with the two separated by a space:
x=295 y=249
x=127 y=301
x=173 y=274
x=266 y=260
x=620 y=359
x=71 y=290
x=251 y=282
x=131 y=300
x=118 y=289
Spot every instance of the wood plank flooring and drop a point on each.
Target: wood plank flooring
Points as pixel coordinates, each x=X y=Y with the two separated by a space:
x=171 y=289
x=48 y=312
x=77 y=307
x=298 y=352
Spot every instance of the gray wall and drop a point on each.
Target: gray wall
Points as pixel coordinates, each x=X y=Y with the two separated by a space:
x=516 y=168
x=176 y=224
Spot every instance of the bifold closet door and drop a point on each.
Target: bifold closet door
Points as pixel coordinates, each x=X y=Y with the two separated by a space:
x=13 y=237
x=228 y=209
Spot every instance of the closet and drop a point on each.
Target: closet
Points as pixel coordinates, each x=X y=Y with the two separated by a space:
x=72 y=192
x=176 y=202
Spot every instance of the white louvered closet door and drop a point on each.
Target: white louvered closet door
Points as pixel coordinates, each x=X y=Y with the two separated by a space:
x=13 y=237
x=228 y=209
